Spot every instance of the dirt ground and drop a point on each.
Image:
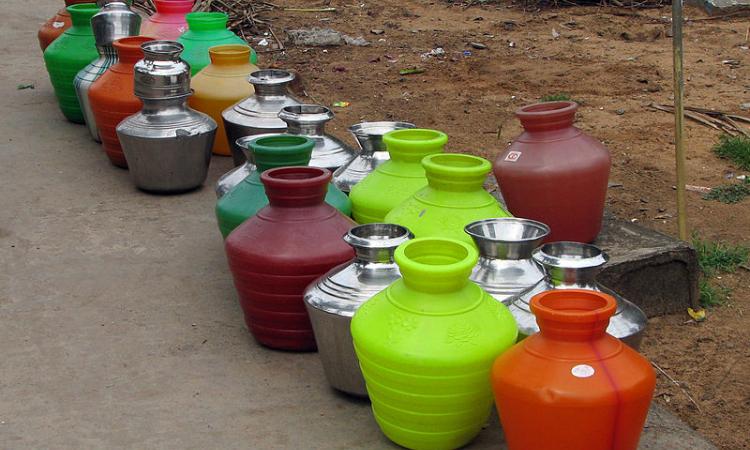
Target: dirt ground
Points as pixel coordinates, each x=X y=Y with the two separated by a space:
x=615 y=62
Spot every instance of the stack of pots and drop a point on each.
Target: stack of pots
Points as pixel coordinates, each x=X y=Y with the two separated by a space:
x=114 y=21
x=167 y=144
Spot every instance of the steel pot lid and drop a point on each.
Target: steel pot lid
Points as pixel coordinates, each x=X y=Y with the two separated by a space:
x=570 y=255
x=369 y=135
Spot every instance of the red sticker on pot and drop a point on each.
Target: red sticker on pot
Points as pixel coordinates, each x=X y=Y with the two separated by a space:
x=512 y=156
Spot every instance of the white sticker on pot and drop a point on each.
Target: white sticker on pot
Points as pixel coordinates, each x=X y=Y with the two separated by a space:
x=58 y=24
x=582 y=371
x=512 y=156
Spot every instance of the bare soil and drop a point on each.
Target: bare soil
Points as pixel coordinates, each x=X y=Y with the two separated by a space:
x=615 y=62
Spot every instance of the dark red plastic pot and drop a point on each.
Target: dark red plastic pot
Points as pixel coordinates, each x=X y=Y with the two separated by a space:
x=277 y=253
x=554 y=173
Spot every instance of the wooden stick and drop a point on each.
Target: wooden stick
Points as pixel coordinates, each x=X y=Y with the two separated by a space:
x=678 y=385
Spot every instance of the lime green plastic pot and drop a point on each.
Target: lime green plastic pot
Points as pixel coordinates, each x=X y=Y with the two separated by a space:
x=426 y=345
x=70 y=53
x=205 y=30
x=249 y=196
x=453 y=198
x=396 y=180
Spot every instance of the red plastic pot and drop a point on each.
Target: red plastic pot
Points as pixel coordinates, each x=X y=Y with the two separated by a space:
x=554 y=173
x=277 y=253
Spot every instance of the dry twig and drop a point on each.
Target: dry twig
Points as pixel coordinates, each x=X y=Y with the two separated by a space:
x=676 y=383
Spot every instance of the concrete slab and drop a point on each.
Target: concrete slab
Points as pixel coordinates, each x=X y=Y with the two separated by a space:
x=119 y=324
x=721 y=7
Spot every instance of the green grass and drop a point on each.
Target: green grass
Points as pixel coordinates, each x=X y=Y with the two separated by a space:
x=736 y=149
x=560 y=97
x=730 y=193
x=716 y=258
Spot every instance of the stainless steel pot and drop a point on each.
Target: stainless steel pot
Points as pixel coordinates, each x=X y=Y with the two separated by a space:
x=167 y=144
x=114 y=21
x=334 y=298
x=369 y=136
x=505 y=267
x=573 y=265
x=310 y=121
x=259 y=113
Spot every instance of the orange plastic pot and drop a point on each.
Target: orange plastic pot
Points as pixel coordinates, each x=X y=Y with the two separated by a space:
x=112 y=98
x=572 y=385
x=220 y=85
x=56 y=25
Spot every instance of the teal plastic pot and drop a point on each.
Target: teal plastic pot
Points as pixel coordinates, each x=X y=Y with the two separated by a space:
x=249 y=196
x=70 y=53
x=205 y=30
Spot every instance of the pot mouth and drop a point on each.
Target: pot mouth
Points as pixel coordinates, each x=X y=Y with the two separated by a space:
x=296 y=176
x=507 y=230
x=377 y=235
x=270 y=77
x=173 y=6
x=378 y=129
x=131 y=44
x=570 y=255
x=573 y=306
x=162 y=50
x=202 y=21
x=546 y=109
x=411 y=136
x=436 y=257
x=312 y=114
x=81 y=13
x=230 y=51
x=456 y=165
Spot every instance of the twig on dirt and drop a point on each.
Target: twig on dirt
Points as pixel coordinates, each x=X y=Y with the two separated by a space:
x=676 y=383
x=331 y=9
x=718 y=120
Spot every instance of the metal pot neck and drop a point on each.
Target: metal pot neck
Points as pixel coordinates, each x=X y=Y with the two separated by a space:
x=270 y=83
x=571 y=264
x=306 y=120
x=114 y=21
x=369 y=135
x=375 y=243
x=164 y=105
x=507 y=238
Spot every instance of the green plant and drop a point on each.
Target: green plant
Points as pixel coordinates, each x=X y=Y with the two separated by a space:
x=729 y=193
x=715 y=258
x=736 y=149
x=559 y=97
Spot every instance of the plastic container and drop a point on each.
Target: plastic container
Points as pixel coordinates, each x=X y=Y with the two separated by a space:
x=249 y=196
x=277 y=253
x=168 y=22
x=56 y=25
x=112 y=96
x=426 y=344
x=453 y=198
x=554 y=173
x=572 y=385
x=220 y=85
x=206 y=30
x=70 y=53
x=396 y=180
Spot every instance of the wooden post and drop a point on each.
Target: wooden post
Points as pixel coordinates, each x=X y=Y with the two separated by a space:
x=679 y=115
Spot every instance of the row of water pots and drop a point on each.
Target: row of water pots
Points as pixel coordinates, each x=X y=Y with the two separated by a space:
x=416 y=324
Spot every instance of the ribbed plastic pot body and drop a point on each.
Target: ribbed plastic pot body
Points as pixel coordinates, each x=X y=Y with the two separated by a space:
x=453 y=198
x=396 y=180
x=572 y=386
x=206 y=30
x=167 y=144
x=112 y=96
x=573 y=265
x=372 y=152
x=259 y=113
x=56 y=25
x=333 y=299
x=168 y=22
x=506 y=267
x=555 y=174
x=249 y=196
x=277 y=253
x=310 y=121
x=67 y=55
x=426 y=344
x=220 y=85
x=114 y=21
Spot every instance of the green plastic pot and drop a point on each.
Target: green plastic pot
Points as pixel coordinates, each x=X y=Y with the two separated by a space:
x=426 y=345
x=249 y=196
x=205 y=30
x=70 y=53
x=453 y=198
x=396 y=180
